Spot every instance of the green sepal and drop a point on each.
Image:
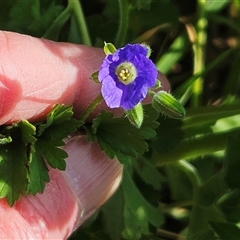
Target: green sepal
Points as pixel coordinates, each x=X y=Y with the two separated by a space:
x=168 y=105
x=158 y=84
x=94 y=77
x=135 y=115
x=109 y=48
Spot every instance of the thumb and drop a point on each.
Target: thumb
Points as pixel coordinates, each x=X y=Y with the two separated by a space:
x=36 y=74
x=68 y=199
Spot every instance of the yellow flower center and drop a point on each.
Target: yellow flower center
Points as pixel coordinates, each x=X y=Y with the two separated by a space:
x=126 y=73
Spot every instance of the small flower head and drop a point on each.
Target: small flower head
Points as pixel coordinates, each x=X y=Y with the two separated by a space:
x=126 y=75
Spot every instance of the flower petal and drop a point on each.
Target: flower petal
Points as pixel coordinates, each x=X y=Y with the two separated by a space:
x=112 y=94
x=127 y=93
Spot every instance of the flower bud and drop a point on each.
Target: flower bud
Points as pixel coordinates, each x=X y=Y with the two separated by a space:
x=168 y=105
x=109 y=48
x=135 y=115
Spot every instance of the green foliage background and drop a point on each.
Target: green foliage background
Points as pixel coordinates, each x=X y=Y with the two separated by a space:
x=181 y=178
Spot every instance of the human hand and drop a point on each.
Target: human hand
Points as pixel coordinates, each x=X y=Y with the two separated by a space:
x=35 y=75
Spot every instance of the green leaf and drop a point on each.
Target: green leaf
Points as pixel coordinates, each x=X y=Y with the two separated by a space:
x=225 y=230
x=132 y=213
x=207 y=235
x=138 y=213
x=179 y=183
x=230 y=173
x=5 y=139
x=215 y=6
x=74 y=35
x=59 y=124
x=143 y=20
x=148 y=172
x=174 y=53
x=229 y=204
x=42 y=24
x=209 y=115
x=13 y=171
x=211 y=190
x=57 y=117
x=36 y=18
x=27 y=149
x=20 y=21
x=28 y=131
x=50 y=135
x=54 y=155
x=14 y=160
x=114 y=223
x=169 y=135
x=142 y=4
x=117 y=136
x=38 y=172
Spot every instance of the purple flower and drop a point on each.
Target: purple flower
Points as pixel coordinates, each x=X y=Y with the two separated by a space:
x=126 y=76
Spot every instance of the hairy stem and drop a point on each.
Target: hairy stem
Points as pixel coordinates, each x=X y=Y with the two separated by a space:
x=90 y=108
x=207 y=114
x=193 y=148
x=199 y=53
x=192 y=174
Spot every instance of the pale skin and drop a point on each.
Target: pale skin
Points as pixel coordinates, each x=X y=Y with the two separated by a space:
x=36 y=74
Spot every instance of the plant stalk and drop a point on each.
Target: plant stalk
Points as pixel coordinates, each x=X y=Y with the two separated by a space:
x=193 y=148
x=199 y=54
x=78 y=12
x=123 y=23
x=90 y=108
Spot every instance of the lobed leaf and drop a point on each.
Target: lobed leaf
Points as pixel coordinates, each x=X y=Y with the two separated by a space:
x=46 y=149
x=230 y=173
x=38 y=172
x=13 y=171
x=117 y=137
x=226 y=230
x=132 y=213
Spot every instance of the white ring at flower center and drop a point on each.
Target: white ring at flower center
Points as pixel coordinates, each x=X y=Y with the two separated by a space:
x=126 y=72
